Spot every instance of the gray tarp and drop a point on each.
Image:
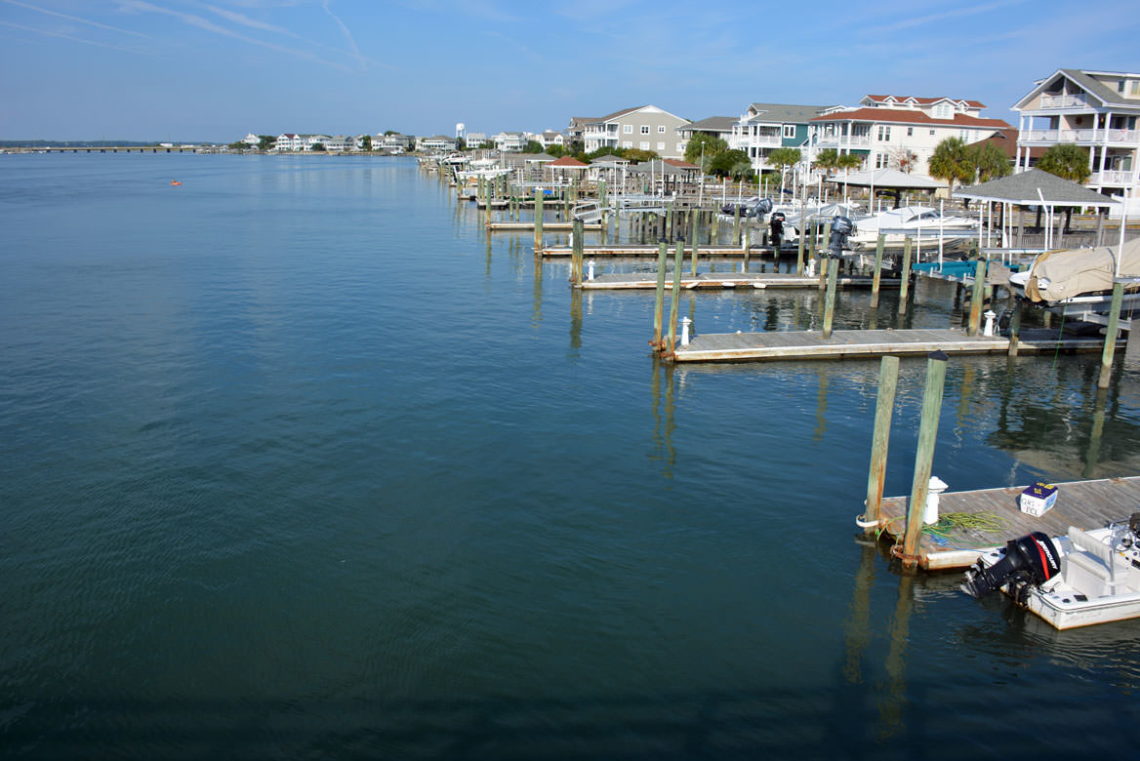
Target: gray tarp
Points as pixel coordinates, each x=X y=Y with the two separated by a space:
x=1058 y=275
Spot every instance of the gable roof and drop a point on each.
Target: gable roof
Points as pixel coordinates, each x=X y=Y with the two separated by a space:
x=567 y=162
x=680 y=164
x=924 y=101
x=783 y=113
x=1033 y=185
x=625 y=111
x=907 y=116
x=1098 y=90
x=712 y=124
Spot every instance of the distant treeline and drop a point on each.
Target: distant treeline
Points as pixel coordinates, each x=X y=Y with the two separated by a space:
x=88 y=143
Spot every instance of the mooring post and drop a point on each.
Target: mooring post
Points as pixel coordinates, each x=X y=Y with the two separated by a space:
x=880 y=441
x=904 y=284
x=924 y=457
x=829 y=301
x=800 y=250
x=694 y=236
x=675 y=305
x=826 y=264
x=714 y=234
x=1015 y=327
x=1110 y=335
x=976 y=297
x=537 y=220
x=877 y=275
x=736 y=225
x=659 y=303
x=577 y=252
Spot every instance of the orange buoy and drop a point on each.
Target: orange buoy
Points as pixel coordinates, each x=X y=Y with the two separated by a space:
x=175 y=182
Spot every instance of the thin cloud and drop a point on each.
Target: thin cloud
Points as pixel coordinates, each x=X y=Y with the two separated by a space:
x=252 y=23
x=347 y=35
x=942 y=16
x=76 y=19
x=63 y=36
x=209 y=26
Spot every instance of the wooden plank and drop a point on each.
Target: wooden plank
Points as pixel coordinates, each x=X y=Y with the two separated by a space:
x=546 y=226
x=1084 y=504
x=758 y=280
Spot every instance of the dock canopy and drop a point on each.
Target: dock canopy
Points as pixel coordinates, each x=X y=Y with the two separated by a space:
x=888 y=179
x=1035 y=187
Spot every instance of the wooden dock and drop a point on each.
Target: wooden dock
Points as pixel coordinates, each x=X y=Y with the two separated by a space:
x=713 y=280
x=867 y=344
x=649 y=250
x=550 y=227
x=1084 y=504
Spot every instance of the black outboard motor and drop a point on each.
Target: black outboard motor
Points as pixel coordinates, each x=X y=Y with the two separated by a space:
x=841 y=227
x=762 y=207
x=776 y=230
x=1030 y=560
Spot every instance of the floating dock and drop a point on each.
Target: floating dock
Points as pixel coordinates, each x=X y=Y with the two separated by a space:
x=1084 y=504
x=550 y=227
x=712 y=280
x=651 y=250
x=867 y=344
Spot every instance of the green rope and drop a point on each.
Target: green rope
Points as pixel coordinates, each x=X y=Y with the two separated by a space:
x=948 y=522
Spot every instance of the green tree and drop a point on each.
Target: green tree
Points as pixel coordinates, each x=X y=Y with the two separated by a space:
x=237 y=146
x=366 y=143
x=732 y=163
x=950 y=162
x=849 y=161
x=783 y=159
x=556 y=150
x=703 y=144
x=638 y=155
x=827 y=159
x=987 y=161
x=533 y=146
x=1067 y=161
x=266 y=142
x=318 y=147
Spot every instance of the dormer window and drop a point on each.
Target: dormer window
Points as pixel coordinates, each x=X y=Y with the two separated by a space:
x=943 y=111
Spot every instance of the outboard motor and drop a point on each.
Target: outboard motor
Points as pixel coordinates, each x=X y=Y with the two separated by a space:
x=762 y=207
x=776 y=230
x=1030 y=560
x=841 y=227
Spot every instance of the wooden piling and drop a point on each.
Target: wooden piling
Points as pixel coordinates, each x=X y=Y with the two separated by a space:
x=736 y=225
x=800 y=250
x=537 y=220
x=1110 y=335
x=694 y=235
x=829 y=302
x=880 y=441
x=675 y=306
x=576 y=258
x=877 y=276
x=659 y=303
x=924 y=457
x=904 y=283
x=1015 y=327
x=976 y=299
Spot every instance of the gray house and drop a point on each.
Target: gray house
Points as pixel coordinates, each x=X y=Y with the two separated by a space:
x=647 y=128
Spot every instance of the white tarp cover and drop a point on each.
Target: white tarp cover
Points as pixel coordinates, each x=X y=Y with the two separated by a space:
x=1058 y=275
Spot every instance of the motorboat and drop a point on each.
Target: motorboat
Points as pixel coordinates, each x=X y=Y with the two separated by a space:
x=921 y=222
x=1079 y=579
x=1078 y=282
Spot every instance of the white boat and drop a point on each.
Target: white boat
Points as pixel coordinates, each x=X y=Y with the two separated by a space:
x=1078 y=282
x=923 y=222
x=1080 y=579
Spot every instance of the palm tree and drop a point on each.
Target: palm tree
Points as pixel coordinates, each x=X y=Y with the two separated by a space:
x=849 y=161
x=987 y=161
x=949 y=162
x=1066 y=160
x=783 y=158
x=827 y=159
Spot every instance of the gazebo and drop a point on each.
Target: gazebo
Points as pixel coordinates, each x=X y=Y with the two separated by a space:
x=1035 y=187
x=890 y=180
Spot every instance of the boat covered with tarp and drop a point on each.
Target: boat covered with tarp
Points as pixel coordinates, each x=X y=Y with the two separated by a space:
x=1059 y=276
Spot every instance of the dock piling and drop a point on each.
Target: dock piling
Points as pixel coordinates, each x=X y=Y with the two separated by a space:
x=924 y=457
x=1110 y=336
x=880 y=442
x=829 y=301
x=537 y=220
x=675 y=305
x=976 y=297
x=659 y=302
x=904 y=284
x=877 y=276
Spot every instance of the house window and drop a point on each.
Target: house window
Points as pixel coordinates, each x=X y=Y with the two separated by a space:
x=661 y=129
x=644 y=145
x=932 y=133
x=789 y=130
x=661 y=146
x=626 y=143
x=680 y=147
x=645 y=129
x=884 y=132
x=882 y=161
x=910 y=131
x=627 y=129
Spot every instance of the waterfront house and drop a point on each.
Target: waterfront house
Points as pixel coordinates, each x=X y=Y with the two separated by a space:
x=510 y=142
x=251 y=140
x=288 y=141
x=1096 y=110
x=647 y=128
x=716 y=126
x=550 y=137
x=764 y=127
x=435 y=144
x=340 y=144
x=576 y=130
x=392 y=143
x=477 y=139
x=900 y=131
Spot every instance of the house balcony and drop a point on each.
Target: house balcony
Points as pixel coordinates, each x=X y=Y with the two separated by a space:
x=844 y=141
x=1081 y=136
x=1116 y=177
x=1064 y=101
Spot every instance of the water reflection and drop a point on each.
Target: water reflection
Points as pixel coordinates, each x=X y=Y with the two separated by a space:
x=664 y=413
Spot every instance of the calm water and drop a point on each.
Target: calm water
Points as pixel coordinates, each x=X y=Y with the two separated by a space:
x=295 y=464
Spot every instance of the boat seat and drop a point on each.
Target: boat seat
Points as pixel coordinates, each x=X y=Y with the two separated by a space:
x=1093 y=568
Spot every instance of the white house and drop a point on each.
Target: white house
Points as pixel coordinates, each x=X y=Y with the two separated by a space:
x=251 y=140
x=647 y=128
x=392 y=143
x=1096 y=110
x=510 y=142
x=340 y=144
x=288 y=141
x=549 y=137
x=435 y=144
x=900 y=131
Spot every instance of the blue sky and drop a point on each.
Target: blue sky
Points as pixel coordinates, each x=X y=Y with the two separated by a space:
x=217 y=69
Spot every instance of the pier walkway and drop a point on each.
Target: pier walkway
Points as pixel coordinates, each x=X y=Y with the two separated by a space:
x=758 y=280
x=1084 y=504
x=649 y=250
x=550 y=227
x=867 y=344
